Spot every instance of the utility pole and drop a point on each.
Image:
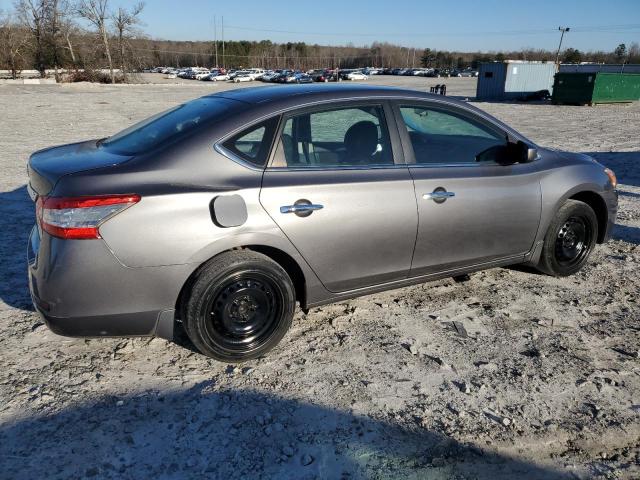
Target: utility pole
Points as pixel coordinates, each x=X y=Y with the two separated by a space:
x=223 y=59
x=563 y=30
x=215 y=38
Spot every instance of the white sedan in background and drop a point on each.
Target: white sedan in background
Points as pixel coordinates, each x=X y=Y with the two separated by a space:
x=357 y=76
x=244 y=77
x=219 y=77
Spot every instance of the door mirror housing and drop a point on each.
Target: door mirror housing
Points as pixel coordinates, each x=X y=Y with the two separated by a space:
x=522 y=152
x=509 y=153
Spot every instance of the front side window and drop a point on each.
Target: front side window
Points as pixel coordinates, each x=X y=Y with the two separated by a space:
x=342 y=137
x=444 y=137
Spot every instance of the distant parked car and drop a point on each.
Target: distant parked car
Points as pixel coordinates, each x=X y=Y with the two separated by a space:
x=220 y=77
x=242 y=77
x=468 y=73
x=298 y=77
x=319 y=75
x=210 y=216
x=357 y=76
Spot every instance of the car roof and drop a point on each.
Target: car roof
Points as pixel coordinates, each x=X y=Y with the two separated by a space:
x=282 y=97
x=289 y=94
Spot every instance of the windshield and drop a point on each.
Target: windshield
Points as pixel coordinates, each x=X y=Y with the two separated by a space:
x=166 y=126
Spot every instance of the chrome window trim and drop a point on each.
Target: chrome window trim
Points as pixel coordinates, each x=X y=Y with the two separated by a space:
x=282 y=111
x=235 y=158
x=470 y=164
x=337 y=168
x=217 y=145
x=448 y=165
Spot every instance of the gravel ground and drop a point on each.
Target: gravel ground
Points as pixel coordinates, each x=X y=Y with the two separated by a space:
x=510 y=374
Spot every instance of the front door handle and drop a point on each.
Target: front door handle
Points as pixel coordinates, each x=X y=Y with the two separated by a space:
x=302 y=208
x=439 y=195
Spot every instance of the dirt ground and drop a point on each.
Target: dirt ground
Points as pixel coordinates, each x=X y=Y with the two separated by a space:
x=542 y=381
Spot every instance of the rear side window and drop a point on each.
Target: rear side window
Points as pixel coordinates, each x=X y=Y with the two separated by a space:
x=167 y=126
x=342 y=137
x=252 y=144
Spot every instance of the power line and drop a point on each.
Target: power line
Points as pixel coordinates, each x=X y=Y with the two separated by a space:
x=266 y=57
x=537 y=31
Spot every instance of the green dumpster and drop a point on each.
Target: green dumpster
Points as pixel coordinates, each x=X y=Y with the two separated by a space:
x=591 y=88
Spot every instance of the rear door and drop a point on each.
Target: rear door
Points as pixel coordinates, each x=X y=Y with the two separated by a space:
x=471 y=209
x=338 y=188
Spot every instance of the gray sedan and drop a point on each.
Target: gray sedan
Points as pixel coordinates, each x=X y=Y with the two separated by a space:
x=221 y=214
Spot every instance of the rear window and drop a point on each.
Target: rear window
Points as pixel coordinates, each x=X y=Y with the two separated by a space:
x=167 y=126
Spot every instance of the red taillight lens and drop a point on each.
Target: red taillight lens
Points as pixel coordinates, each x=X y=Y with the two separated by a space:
x=79 y=218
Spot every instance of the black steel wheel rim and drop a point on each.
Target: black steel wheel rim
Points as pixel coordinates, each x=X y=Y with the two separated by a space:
x=573 y=241
x=242 y=313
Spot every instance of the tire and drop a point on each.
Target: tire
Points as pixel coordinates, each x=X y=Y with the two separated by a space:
x=570 y=239
x=240 y=306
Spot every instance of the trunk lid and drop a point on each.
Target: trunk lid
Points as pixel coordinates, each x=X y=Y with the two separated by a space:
x=47 y=166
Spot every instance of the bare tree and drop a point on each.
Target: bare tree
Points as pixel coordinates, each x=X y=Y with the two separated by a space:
x=124 y=22
x=68 y=30
x=13 y=43
x=33 y=15
x=58 y=19
x=96 y=12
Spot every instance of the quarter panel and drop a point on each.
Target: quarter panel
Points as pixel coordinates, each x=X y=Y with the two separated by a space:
x=81 y=278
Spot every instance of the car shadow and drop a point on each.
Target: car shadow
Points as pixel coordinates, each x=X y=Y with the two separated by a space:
x=17 y=217
x=208 y=431
x=626 y=165
x=627 y=233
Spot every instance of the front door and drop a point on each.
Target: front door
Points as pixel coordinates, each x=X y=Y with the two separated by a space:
x=471 y=209
x=341 y=196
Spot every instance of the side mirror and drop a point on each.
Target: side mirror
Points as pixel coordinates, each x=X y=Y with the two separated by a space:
x=519 y=152
x=509 y=153
x=532 y=154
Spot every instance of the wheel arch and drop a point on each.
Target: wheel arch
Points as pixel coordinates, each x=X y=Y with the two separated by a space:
x=598 y=205
x=282 y=258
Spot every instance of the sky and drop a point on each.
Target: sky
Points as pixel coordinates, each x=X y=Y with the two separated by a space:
x=464 y=25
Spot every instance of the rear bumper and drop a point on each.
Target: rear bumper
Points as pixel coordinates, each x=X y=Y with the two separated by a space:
x=81 y=290
x=124 y=325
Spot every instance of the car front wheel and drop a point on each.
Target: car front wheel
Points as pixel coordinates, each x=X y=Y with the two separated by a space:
x=240 y=306
x=570 y=239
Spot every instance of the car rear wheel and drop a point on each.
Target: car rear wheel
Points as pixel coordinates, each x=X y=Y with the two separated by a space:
x=569 y=240
x=241 y=305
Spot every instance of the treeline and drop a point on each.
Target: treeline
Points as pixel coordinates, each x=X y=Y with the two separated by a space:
x=88 y=35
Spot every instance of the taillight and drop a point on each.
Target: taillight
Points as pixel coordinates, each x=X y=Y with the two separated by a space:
x=79 y=218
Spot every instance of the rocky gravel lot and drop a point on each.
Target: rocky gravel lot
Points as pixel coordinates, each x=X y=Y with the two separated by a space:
x=510 y=374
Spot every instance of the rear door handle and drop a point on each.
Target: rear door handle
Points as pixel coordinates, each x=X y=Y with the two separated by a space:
x=439 y=195
x=302 y=208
